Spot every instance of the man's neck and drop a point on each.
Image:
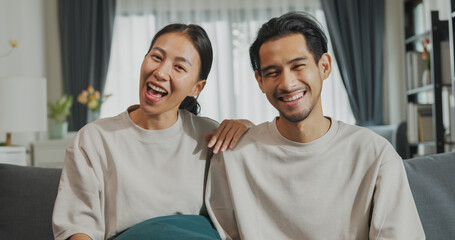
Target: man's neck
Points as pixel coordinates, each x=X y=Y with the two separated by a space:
x=308 y=130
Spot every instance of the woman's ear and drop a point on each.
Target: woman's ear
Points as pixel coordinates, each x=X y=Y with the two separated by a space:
x=197 y=88
x=325 y=65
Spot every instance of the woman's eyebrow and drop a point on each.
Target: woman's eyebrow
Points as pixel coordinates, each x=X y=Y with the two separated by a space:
x=183 y=60
x=160 y=50
x=177 y=58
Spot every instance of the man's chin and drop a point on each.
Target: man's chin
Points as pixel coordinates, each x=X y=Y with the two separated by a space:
x=296 y=117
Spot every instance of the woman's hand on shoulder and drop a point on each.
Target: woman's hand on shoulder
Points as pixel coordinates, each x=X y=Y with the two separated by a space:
x=228 y=134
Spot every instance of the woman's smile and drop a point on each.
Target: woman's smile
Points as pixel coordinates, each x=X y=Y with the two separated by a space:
x=154 y=92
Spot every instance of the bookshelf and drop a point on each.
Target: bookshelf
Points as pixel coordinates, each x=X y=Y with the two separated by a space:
x=452 y=67
x=428 y=90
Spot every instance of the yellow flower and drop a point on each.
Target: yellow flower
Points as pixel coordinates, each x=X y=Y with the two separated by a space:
x=13 y=43
x=82 y=98
x=92 y=98
x=97 y=94
x=90 y=89
x=92 y=104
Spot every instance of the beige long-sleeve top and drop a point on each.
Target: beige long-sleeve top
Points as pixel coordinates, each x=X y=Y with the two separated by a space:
x=117 y=174
x=348 y=184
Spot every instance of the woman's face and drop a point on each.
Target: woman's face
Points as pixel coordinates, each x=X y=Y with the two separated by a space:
x=169 y=73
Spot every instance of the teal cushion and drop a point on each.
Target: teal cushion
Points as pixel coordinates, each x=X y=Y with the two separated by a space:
x=172 y=227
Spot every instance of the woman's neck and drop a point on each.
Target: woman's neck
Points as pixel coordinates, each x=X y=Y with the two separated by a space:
x=153 y=122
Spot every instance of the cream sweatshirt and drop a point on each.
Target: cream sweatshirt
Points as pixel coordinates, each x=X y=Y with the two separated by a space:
x=117 y=174
x=348 y=184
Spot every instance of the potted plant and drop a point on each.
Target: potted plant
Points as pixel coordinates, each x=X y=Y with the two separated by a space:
x=59 y=112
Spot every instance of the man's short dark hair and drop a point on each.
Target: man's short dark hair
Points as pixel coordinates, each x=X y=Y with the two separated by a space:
x=290 y=23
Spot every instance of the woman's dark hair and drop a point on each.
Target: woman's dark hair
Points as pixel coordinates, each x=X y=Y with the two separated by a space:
x=202 y=43
x=290 y=23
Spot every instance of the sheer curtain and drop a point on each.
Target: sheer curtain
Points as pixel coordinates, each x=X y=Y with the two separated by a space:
x=231 y=90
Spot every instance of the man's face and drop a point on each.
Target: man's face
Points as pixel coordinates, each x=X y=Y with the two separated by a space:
x=291 y=79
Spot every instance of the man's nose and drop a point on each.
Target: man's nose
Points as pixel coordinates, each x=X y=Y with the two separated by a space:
x=287 y=80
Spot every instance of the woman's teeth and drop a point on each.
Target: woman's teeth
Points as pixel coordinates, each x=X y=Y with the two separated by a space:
x=293 y=98
x=156 y=88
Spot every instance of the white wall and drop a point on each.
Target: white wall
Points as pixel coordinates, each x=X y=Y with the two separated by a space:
x=443 y=6
x=33 y=23
x=394 y=84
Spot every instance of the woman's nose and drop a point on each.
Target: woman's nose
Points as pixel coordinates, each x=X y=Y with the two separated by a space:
x=162 y=72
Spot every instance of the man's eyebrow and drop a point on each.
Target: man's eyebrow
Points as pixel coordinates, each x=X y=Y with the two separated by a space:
x=268 y=68
x=297 y=59
x=177 y=58
x=289 y=62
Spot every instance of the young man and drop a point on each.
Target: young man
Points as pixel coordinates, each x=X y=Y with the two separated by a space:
x=304 y=175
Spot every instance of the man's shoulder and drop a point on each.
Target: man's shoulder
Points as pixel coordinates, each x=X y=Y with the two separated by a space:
x=256 y=135
x=363 y=138
x=359 y=132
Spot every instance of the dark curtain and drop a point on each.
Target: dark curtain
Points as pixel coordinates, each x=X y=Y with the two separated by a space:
x=86 y=28
x=356 y=29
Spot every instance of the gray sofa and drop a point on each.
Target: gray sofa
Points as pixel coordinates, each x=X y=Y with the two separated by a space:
x=27 y=197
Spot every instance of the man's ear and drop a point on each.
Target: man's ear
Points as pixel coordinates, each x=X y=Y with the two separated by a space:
x=325 y=65
x=259 y=80
x=197 y=88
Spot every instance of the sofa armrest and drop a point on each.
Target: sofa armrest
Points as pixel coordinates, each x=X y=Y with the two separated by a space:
x=27 y=196
x=432 y=182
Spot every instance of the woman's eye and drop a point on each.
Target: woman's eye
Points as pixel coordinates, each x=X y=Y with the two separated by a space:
x=180 y=68
x=156 y=57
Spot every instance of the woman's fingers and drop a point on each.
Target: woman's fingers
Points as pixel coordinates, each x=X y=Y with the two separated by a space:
x=227 y=126
x=228 y=134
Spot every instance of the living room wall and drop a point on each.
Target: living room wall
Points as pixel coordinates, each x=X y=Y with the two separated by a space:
x=22 y=20
x=34 y=23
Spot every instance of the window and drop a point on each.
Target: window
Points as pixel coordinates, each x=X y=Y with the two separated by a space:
x=231 y=90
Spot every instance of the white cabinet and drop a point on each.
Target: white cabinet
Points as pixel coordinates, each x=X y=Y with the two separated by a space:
x=50 y=153
x=13 y=155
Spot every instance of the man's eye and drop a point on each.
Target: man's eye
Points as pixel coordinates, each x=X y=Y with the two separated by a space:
x=299 y=66
x=271 y=74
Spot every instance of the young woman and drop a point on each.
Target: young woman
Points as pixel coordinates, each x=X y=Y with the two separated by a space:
x=150 y=160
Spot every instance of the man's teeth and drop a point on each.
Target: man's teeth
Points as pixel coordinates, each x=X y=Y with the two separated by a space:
x=158 y=89
x=293 y=98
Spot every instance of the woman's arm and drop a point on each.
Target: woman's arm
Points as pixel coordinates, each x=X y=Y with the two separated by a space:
x=80 y=236
x=228 y=134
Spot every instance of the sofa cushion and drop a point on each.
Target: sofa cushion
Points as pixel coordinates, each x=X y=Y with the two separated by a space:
x=432 y=182
x=27 y=196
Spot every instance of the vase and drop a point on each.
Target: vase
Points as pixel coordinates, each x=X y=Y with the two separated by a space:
x=58 y=130
x=426 y=77
x=93 y=116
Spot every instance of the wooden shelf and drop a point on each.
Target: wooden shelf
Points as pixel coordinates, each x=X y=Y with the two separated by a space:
x=420 y=89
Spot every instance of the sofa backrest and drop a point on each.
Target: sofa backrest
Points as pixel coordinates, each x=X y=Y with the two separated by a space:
x=432 y=182
x=27 y=196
